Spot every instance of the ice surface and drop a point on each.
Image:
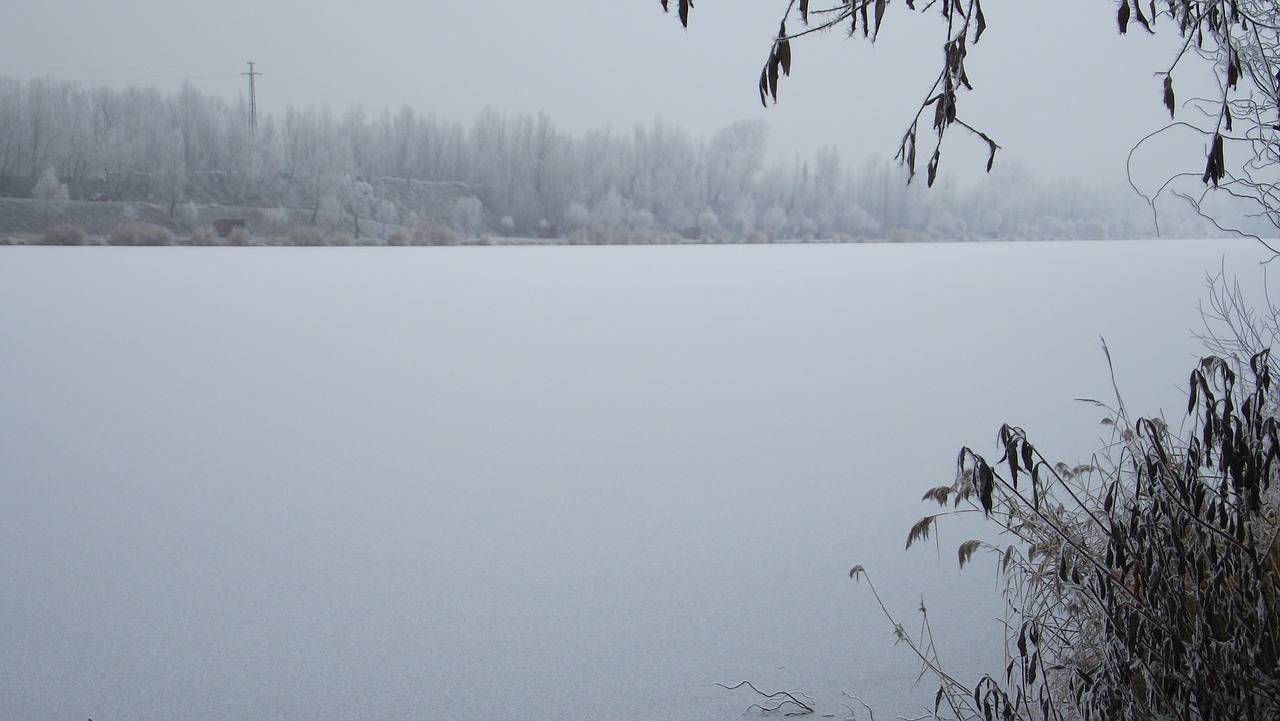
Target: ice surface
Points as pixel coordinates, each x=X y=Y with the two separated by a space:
x=485 y=483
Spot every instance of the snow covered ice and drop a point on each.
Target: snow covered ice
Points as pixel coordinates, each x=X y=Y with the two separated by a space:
x=577 y=483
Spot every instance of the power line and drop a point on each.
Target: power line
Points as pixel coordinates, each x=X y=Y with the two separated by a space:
x=112 y=80
x=174 y=79
x=334 y=93
x=109 y=68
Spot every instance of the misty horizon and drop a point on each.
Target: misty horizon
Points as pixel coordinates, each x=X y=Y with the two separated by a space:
x=579 y=66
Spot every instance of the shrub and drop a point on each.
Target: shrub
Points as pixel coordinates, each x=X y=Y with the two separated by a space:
x=398 y=238
x=204 y=235
x=274 y=219
x=238 y=236
x=576 y=216
x=708 y=220
x=309 y=236
x=578 y=236
x=51 y=196
x=65 y=235
x=1143 y=585
x=434 y=235
x=343 y=239
x=466 y=214
x=136 y=233
x=189 y=214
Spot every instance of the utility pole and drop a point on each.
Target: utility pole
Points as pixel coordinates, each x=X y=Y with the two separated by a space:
x=253 y=98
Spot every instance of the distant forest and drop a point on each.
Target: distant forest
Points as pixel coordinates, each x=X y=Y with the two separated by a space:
x=531 y=179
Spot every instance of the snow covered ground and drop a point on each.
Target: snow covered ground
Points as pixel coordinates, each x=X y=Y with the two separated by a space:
x=571 y=483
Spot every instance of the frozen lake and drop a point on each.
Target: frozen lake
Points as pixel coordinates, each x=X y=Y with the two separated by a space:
x=494 y=483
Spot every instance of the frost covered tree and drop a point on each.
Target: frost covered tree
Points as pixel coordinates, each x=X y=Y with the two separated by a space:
x=137 y=143
x=708 y=221
x=51 y=196
x=386 y=213
x=355 y=195
x=171 y=177
x=774 y=222
x=733 y=158
x=664 y=174
x=189 y=214
x=576 y=216
x=466 y=215
x=611 y=210
x=492 y=174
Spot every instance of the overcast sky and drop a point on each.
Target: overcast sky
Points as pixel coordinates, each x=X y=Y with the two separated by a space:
x=1056 y=85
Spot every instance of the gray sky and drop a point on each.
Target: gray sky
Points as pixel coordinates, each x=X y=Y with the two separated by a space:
x=1056 y=85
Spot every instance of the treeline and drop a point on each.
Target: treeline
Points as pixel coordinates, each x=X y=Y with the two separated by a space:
x=137 y=143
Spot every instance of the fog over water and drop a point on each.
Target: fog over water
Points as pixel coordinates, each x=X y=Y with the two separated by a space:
x=567 y=482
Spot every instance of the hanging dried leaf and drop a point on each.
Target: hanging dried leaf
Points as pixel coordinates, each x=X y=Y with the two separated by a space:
x=774 y=64
x=784 y=50
x=1142 y=19
x=1168 y=93
x=684 y=11
x=1192 y=396
x=804 y=11
x=880 y=5
x=944 y=113
x=986 y=486
x=933 y=167
x=908 y=154
x=1215 y=170
x=982 y=24
x=1122 y=17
